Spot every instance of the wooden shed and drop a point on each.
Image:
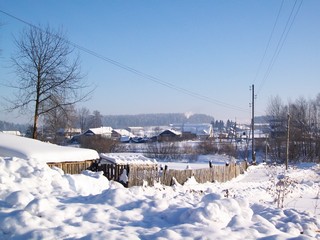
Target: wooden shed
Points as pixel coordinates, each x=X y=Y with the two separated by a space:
x=74 y=167
x=131 y=169
x=71 y=160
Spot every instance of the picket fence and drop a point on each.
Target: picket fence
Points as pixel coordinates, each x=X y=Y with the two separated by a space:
x=217 y=173
x=147 y=174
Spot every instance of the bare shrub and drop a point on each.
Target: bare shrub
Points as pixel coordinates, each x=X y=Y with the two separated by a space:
x=281 y=186
x=228 y=148
x=207 y=147
x=164 y=150
x=98 y=143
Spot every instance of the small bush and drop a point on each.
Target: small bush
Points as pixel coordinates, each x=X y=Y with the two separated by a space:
x=281 y=186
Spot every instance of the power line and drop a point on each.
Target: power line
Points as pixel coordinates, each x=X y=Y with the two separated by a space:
x=268 y=44
x=137 y=72
x=281 y=41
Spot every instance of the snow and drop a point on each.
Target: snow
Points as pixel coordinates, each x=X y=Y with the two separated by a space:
x=126 y=158
x=202 y=162
x=37 y=202
x=99 y=131
x=27 y=148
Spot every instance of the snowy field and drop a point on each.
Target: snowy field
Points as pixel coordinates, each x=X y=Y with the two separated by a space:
x=42 y=203
x=202 y=162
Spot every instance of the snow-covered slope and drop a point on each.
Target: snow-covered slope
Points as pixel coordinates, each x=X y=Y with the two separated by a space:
x=37 y=202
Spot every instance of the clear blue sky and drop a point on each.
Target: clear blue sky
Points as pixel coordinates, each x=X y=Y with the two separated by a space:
x=211 y=48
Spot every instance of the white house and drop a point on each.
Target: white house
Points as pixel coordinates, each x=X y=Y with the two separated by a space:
x=17 y=133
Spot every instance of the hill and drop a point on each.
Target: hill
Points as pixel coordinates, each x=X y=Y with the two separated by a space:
x=160 y=119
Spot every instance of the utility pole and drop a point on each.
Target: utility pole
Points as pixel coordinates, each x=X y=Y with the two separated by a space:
x=266 y=153
x=252 y=127
x=288 y=138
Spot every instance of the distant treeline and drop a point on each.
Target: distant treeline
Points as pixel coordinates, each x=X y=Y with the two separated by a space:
x=161 y=119
x=7 y=126
x=139 y=120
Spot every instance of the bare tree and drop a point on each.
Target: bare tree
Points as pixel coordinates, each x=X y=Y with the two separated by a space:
x=48 y=77
x=277 y=111
x=59 y=122
x=97 y=119
x=83 y=118
x=304 y=142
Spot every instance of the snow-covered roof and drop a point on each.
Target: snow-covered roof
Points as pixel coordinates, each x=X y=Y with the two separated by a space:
x=27 y=148
x=69 y=130
x=17 y=133
x=126 y=158
x=175 y=132
x=198 y=129
x=100 y=131
x=123 y=132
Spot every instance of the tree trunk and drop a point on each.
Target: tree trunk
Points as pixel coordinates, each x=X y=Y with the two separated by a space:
x=36 y=110
x=35 y=127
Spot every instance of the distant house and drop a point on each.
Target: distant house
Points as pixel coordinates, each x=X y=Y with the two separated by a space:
x=169 y=135
x=102 y=131
x=200 y=131
x=17 y=133
x=136 y=131
x=118 y=134
x=69 y=132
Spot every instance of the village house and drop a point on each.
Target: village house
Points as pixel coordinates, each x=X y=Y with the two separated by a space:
x=17 y=133
x=101 y=131
x=136 y=131
x=122 y=135
x=200 y=131
x=169 y=135
x=69 y=132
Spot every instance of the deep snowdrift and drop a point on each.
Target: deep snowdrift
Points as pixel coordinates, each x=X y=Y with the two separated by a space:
x=42 y=203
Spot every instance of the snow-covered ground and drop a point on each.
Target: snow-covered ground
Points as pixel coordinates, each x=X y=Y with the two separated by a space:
x=42 y=203
x=202 y=162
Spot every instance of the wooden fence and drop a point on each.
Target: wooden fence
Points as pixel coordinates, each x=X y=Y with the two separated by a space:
x=113 y=171
x=72 y=167
x=219 y=173
x=141 y=174
x=138 y=175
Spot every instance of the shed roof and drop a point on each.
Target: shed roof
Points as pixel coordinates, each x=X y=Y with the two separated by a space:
x=27 y=148
x=126 y=158
x=123 y=132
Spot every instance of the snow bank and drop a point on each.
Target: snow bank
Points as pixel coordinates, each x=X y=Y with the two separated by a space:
x=42 y=203
x=27 y=148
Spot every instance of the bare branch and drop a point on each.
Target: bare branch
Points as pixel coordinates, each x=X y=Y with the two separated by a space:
x=48 y=77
